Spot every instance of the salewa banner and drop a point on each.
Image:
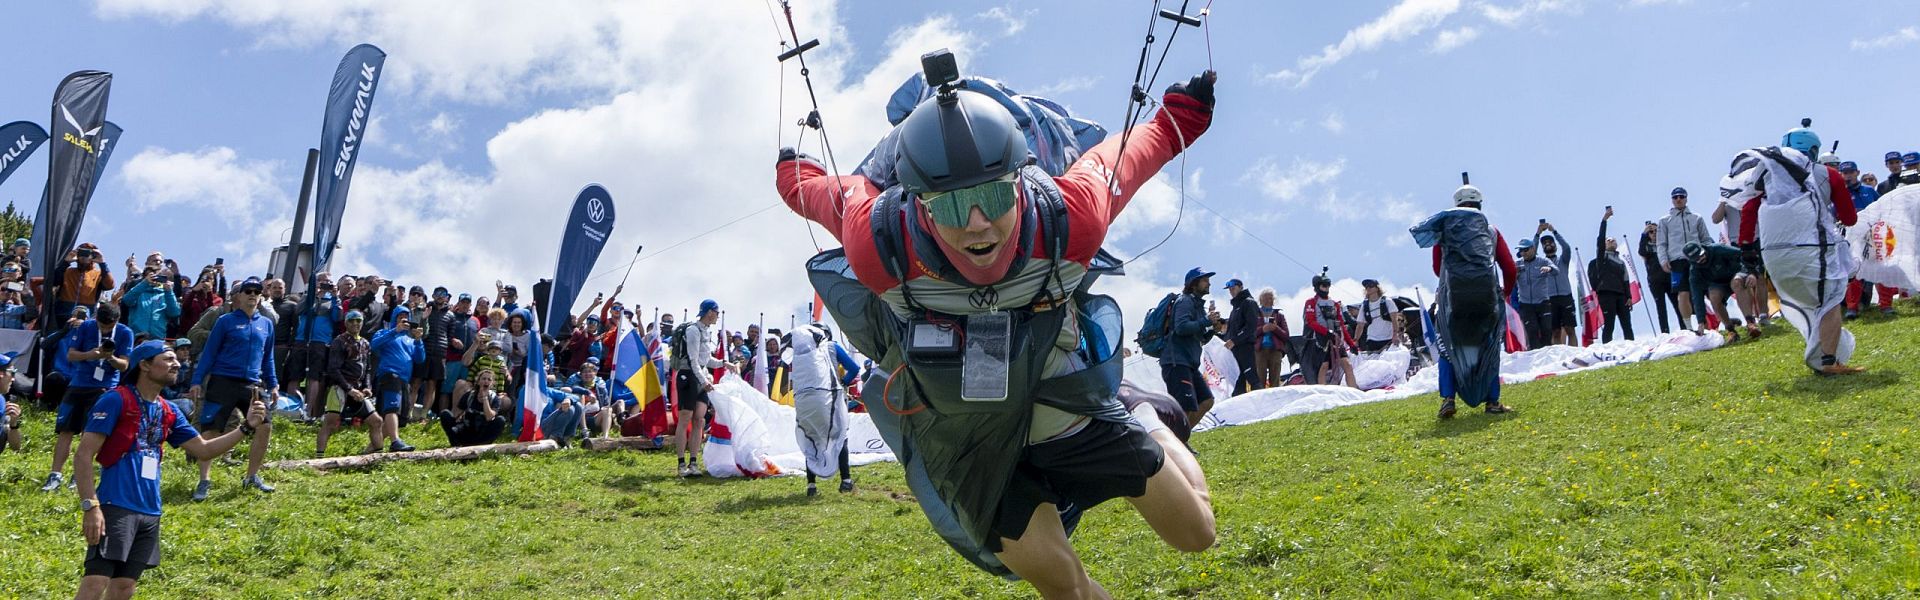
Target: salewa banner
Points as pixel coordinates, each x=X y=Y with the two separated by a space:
x=18 y=140
x=79 y=119
x=586 y=233
x=349 y=104
x=109 y=138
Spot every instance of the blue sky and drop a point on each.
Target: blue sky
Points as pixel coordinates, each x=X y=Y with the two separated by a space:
x=1338 y=122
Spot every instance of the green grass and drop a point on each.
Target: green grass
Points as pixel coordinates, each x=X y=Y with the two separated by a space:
x=1731 y=473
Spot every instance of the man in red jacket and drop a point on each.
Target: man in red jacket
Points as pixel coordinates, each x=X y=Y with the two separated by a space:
x=974 y=235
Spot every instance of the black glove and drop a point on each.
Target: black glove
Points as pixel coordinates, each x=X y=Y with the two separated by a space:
x=1200 y=87
x=787 y=153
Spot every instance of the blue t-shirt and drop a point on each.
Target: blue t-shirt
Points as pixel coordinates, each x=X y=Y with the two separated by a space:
x=96 y=373
x=120 y=484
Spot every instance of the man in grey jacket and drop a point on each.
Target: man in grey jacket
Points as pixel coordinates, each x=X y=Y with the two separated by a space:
x=1180 y=363
x=1677 y=229
x=1560 y=300
x=1534 y=289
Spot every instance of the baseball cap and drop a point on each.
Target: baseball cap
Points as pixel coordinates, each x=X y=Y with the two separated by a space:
x=1232 y=283
x=1679 y=191
x=1849 y=167
x=1371 y=282
x=1910 y=159
x=708 y=305
x=354 y=315
x=441 y=292
x=6 y=360
x=145 y=351
x=1894 y=155
x=251 y=282
x=183 y=343
x=497 y=345
x=1526 y=243
x=22 y=242
x=465 y=296
x=509 y=287
x=1196 y=273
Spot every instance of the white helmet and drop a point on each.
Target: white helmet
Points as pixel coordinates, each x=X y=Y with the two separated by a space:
x=1829 y=159
x=1465 y=194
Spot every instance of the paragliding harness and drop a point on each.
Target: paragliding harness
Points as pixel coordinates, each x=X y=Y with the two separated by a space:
x=1800 y=176
x=960 y=452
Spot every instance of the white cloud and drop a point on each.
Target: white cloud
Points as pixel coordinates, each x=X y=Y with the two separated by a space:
x=1449 y=40
x=214 y=179
x=672 y=167
x=1334 y=123
x=1012 y=22
x=1289 y=184
x=1405 y=20
x=1903 y=37
x=1518 y=14
x=1071 y=84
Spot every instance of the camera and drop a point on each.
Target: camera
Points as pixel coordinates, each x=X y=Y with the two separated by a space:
x=109 y=345
x=940 y=68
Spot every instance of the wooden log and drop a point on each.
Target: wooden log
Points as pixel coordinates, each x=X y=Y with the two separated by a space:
x=465 y=453
x=619 y=443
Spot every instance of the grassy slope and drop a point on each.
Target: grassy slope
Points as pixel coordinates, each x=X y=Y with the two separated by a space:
x=1732 y=472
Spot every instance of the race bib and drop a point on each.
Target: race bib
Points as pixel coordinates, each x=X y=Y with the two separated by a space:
x=149 y=467
x=99 y=373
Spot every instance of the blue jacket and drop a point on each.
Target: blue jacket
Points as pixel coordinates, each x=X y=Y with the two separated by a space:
x=599 y=387
x=1561 y=276
x=240 y=347
x=149 y=309
x=1863 y=196
x=1535 y=287
x=397 y=353
x=325 y=309
x=1191 y=328
x=96 y=373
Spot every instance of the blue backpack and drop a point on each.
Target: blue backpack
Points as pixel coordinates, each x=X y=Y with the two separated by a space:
x=1153 y=333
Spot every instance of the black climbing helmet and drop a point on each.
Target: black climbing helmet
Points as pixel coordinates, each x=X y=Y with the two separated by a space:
x=957 y=140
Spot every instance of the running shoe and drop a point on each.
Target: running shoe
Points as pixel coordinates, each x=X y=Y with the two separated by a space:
x=1447 y=409
x=253 y=481
x=53 y=483
x=200 y=491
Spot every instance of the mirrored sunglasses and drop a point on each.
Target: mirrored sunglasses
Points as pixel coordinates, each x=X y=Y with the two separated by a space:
x=955 y=208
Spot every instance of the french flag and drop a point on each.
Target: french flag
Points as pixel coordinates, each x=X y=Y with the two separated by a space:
x=533 y=393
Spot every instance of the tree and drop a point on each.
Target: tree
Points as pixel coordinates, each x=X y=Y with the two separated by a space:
x=14 y=225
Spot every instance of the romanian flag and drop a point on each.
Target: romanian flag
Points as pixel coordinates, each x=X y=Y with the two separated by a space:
x=642 y=382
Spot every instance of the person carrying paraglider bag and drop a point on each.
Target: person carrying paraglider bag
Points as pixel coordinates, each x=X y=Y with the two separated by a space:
x=1795 y=208
x=997 y=375
x=1475 y=270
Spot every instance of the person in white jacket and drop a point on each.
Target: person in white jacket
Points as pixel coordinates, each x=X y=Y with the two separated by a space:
x=822 y=370
x=693 y=364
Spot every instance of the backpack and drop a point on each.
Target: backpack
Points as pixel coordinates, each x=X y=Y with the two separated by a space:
x=127 y=428
x=1159 y=325
x=679 y=346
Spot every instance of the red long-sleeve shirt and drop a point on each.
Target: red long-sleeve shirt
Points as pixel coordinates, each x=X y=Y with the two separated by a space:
x=844 y=205
x=1501 y=255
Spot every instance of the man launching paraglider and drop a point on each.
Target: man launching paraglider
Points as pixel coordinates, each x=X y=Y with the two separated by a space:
x=997 y=371
x=1796 y=208
x=1475 y=270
